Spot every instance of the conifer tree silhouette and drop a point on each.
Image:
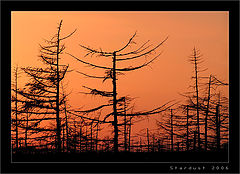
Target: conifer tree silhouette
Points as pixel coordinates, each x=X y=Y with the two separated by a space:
x=43 y=89
x=112 y=73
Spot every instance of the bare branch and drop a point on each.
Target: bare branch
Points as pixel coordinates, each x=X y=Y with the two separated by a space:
x=88 y=118
x=91 y=75
x=98 y=92
x=154 y=111
x=130 y=40
x=92 y=51
x=94 y=109
x=138 y=67
x=148 y=52
x=68 y=35
x=93 y=65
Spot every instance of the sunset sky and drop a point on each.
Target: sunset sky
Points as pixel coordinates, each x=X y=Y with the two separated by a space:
x=152 y=86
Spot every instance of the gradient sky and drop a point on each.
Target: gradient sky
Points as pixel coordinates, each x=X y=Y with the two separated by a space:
x=168 y=75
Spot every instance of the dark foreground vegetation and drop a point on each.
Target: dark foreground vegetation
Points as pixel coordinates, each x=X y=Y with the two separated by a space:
x=221 y=156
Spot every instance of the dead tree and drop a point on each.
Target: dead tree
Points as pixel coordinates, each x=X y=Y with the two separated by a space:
x=217 y=128
x=207 y=104
x=127 y=122
x=67 y=117
x=44 y=86
x=113 y=72
x=21 y=110
x=148 y=143
x=196 y=59
x=185 y=126
x=207 y=111
x=220 y=102
x=169 y=124
x=201 y=101
x=213 y=84
x=125 y=126
x=15 y=107
x=219 y=121
x=129 y=133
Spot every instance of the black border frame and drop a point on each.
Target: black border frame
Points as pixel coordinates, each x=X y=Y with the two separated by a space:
x=8 y=6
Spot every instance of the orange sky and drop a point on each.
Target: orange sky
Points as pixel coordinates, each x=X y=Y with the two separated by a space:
x=168 y=75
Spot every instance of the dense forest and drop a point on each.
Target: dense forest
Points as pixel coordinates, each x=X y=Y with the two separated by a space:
x=45 y=125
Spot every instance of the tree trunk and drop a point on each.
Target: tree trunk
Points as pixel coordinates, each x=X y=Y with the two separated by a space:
x=66 y=124
x=16 y=108
x=57 y=96
x=125 y=127
x=148 y=139
x=97 y=137
x=91 y=136
x=196 y=86
x=63 y=140
x=206 y=116
x=115 y=122
x=140 y=144
x=80 y=138
x=26 y=131
x=86 y=144
x=75 y=137
x=129 y=136
x=171 y=131
x=218 y=127
x=194 y=141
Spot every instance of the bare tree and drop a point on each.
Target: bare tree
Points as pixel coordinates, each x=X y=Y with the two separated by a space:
x=218 y=121
x=213 y=84
x=201 y=100
x=15 y=108
x=196 y=59
x=172 y=124
x=43 y=90
x=113 y=72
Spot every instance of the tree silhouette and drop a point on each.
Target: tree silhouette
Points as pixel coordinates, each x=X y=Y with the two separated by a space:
x=15 y=108
x=196 y=59
x=43 y=90
x=212 y=85
x=172 y=124
x=113 y=72
x=201 y=98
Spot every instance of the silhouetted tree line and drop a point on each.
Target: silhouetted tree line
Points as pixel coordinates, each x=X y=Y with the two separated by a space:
x=43 y=121
x=201 y=123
